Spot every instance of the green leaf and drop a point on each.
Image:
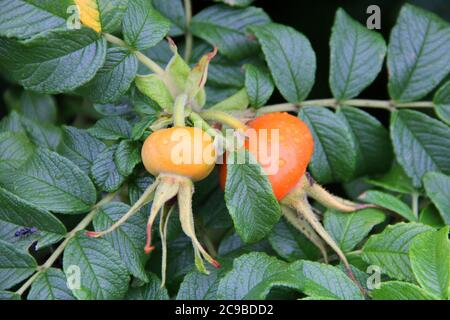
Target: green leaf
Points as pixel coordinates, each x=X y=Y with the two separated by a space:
x=114 y=78
x=249 y=198
x=430 y=258
x=397 y=290
x=50 y=285
x=421 y=144
x=224 y=72
x=38 y=107
x=44 y=135
x=357 y=55
x=154 y=87
x=334 y=157
x=238 y=101
x=236 y=3
x=103 y=274
x=249 y=271
x=374 y=150
x=418 y=56
x=16 y=149
x=128 y=239
x=111 y=128
x=389 y=249
x=143 y=26
x=12 y=123
x=80 y=147
x=72 y=63
x=291 y=244
x=15 y=265
x=329 y=282
x=291 y=59
x=174 y=11
x=102 y=15
x=394 y=180
x=15 y=210
x=127 y=156
x=441 y=102
x=225 y=27
x=349 y=229
x=199 y=286
x=430 y=216
x=388 y=201
x=149 y=291
x=437 y=186
x=140 y=127
x=259 y=85
x=104 y=171
x=7 y=295
x=51 y=181
x=25 y=18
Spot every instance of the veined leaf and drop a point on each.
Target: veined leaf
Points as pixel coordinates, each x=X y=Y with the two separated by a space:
x=150 y=291
x=154 y=87
x=50 y=285
x=397 y=290
x=104 y=171
x=259 y=85
x=418 y=56
x=388 y=201
x=127 y=156
x=441 y=102
x=38 y=107
x=16 y=149
x=238 y=101
x=174 y=11
x=111 y=128
x=102 y=15
x=437 y=186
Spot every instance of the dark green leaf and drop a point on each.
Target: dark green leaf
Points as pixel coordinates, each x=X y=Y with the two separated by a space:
x=174 y=11
x=389 y=249
x=111 y=128
x=103 y=274
x=15 y=265
x=51 y=181
x=64 y=67
x=357 y=55
x=421 y=144
x=140 y=127
x=16 y=149
x=50 y=285
x=225 y=27
x=349 y=229
x=430 y=216
x=437 y=186
x=199 y=286
x=149 y=291
x=394 y=180
x=259 y=85
x=418 y=56
x=127 y=156
x=291 y=59
x=388 y=201
x=249 y=198
x=104 y=171
x=44 y=135
x=441 y=102
x=7 y=295
x=143 y=26
x=334 y=157
x=38 y=107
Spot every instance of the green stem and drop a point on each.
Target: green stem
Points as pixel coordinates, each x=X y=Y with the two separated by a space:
x=179 y=111
x=149 y=63
x=188 y=33
x=415 y=203
x=224 y=118
x=55 y=255
x=381 y=104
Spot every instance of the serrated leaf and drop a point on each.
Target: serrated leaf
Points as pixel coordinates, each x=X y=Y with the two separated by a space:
x=51 y=181
x=72 y=63
x=334 y=157
x=102 y=15
x=291 y=59
x=259 y=85
x=441 y=102
x=238 y=101
x=127 y=156
x=104 y=171
x=114 y=78
x=437 y=186
x=357 y=55
x=25 y=18
x=128 y=239
x=80 y=147
x=174 y=11
x=104 y=276
x=50 y=285
x=374 y=149
x=140 y=127
x=248 y=272
x=233 y=246
x=290 y=244
x=349 y=229
x=394 y=180
x=225 y=27
x=326 y=281
x=418 y=56
x=388 y=201
x=38 y=107
x=111 y=128
x=430 y=259
x=15 y=210
x=421 y=144
x=149 y=291
x=250 y=199
x=16 y=149
x=143 y=26
x=199 y=286
x=389 y=249
x=15 y=265
x=397 y=290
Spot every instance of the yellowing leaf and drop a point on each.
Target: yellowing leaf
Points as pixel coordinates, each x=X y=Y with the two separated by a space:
x=89 y=14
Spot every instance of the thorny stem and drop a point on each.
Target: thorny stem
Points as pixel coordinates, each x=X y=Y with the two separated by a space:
x=188 y=33
x=381 y=104
x=55 y=255
x=149 y=63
